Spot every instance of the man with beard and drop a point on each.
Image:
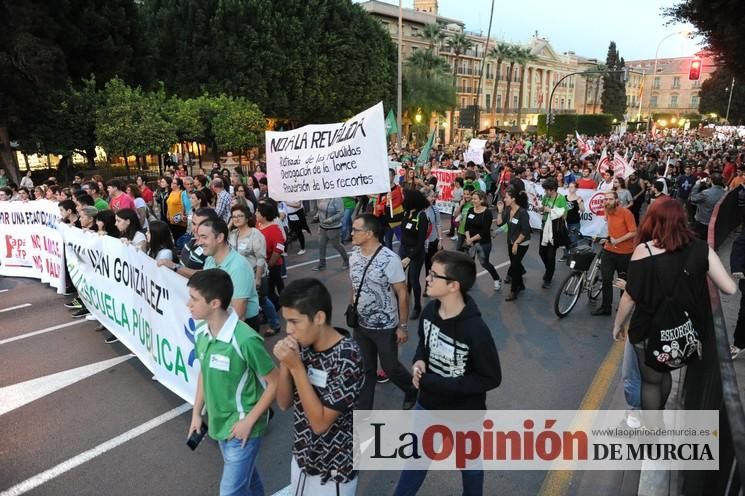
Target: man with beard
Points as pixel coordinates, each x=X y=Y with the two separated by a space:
x=617 y=249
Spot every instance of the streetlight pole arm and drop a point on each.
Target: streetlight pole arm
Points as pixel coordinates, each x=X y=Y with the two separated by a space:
x=551 y=97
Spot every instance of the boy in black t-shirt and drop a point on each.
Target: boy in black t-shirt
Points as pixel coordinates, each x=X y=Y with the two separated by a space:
x=321 y=375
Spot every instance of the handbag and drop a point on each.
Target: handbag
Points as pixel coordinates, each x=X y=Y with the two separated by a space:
x=353 y=318
x=673 y=341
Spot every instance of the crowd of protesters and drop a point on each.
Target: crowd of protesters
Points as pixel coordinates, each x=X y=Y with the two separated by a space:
x=225 y=233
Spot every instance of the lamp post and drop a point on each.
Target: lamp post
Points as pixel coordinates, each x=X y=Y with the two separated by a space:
x=551 y=97
x=685 y=33
x=729 y=102
x=400 y=76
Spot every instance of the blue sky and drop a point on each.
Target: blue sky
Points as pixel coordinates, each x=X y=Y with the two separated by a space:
x=583 y=26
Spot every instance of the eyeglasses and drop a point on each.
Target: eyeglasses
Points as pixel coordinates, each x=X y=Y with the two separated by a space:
x=237 y=216
x=434 y=275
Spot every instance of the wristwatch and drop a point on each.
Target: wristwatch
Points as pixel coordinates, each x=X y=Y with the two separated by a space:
x=403 y=326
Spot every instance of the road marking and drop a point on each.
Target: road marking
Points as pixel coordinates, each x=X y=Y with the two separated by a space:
x=17 y=395
x=15 y=307
x=92 y=453
x=42 y=331
x=557 y=482
x=3 y=290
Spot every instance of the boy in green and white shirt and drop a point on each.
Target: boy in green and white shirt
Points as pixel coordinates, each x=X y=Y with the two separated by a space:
x=233 y=361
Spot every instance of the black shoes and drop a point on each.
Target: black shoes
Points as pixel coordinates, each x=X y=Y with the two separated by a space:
x=80 y=313
x=409 y=400
x=600 y=311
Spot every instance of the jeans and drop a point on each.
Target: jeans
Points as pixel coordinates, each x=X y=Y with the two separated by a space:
x=483 y=250
x=239 y=474
x=574 y=237
x=346 y=224
x=381 y=343
x=609 y=264
x=270 y=312
x=388 y=235
x=548 y=256
x=331 y=235
x=411 y=480
x=297 y=226
x=516 y=269
x=632 y=379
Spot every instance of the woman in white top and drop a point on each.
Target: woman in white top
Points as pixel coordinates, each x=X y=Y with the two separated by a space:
x=624 y=195
x=160 y=241
x=128 y=224
x=140 y=206
x=247 y=240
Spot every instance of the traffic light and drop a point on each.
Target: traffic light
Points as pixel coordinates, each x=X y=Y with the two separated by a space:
x=695 y=71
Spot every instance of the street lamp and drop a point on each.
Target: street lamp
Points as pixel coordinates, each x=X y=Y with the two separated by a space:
x=713 y=115
x=662 y=122
x=674 y=120
x=523 y=127
x=685 y=33
x=418 y=117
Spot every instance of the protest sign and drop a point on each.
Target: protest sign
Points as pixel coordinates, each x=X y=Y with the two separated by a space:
x=592 y=220
x=475 y=152
x=31 y=244
x=140 y=303
x=329 y=160
x=445 y=179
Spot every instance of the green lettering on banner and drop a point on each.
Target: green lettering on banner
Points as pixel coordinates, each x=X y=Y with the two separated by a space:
x=163 y=343
x=180 y=364
x=108 y=306
x=125 y=319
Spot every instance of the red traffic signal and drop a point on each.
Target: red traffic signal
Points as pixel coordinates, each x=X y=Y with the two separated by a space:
x=695 y=71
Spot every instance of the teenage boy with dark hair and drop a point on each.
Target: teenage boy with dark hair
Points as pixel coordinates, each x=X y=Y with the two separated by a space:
x=321 y=374
x=456 y=361
x=232 y=359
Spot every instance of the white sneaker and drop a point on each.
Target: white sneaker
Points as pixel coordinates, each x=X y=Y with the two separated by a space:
x=90 y=316
x=734 y=351
x=454 y=238
x=301 y=252
x=497 y=285
x=633 y=420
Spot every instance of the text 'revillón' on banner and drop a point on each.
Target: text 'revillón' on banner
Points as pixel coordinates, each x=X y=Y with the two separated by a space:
x=329 y=160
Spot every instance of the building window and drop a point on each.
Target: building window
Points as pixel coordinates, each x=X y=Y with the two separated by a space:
x=569 y=103
x=462 y=102
x=488 y=101
x=498 y=101
x=676 y=82
x=514 y=101
x=673 y=101
x=653 y=101
x=656 y=84
x=696 y=83
x=562 y=104
x=694 y=101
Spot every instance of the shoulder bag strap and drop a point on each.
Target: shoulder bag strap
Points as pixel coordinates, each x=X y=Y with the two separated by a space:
x=364 y=272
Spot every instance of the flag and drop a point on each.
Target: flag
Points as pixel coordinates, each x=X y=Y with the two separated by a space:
x=584 y=148
x=621 y=167
x=603 y=163
x=424 y=156
x=390 y=123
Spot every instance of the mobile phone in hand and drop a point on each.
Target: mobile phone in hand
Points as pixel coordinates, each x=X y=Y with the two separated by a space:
x=196 y=437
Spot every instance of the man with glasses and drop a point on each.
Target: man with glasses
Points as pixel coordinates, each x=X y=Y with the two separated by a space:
x=617 y=250
x=456 y=361
x=383 y=309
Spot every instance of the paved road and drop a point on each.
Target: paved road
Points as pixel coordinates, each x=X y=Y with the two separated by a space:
x=88 y=438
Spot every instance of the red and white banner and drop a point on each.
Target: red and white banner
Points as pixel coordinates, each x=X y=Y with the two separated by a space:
x=445 y=179
x=618 y=164
x=584 y=148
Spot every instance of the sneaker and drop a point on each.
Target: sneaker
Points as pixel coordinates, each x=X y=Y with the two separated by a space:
x=318 y=267
x=734 y=351
x=382 y=378
x=632 y=419
x=563 y=258
x=301 y=252
x=284 y=276
x=508 y=280
x=74 y=304
x=497 y=285
x=345 y=265
x=454 y=238
x=80 y=313
x=111 y=339
x=70 y=291
x=90 y=316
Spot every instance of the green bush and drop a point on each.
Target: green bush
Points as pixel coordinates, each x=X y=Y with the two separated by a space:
x=567 y=124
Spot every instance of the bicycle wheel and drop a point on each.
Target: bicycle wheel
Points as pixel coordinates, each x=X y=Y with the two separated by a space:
x=568 y=293
x=595 y=287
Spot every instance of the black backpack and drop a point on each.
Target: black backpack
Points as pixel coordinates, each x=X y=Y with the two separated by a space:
x=673 y=339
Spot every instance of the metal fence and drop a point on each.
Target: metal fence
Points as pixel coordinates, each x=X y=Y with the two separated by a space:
x=710 y=384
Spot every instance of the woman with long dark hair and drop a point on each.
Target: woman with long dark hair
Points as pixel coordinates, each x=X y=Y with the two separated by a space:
x=106 y=223
x=160 y=241
x=478 y=234
x=513 y=211
x=161 y=194
x=414 y=232
x=668 y=260
x=176 y=214
x=128 y=224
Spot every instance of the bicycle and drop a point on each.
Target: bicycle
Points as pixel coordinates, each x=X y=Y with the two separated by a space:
x=584 y=275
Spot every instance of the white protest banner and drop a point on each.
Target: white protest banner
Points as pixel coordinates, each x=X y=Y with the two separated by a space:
x=31 y=244
x=445 y=179
x=475 y=152
x=141 y=304
x=592 y=220
x=329 y=160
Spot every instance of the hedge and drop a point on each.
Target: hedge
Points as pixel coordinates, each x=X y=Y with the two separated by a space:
x=564 y=124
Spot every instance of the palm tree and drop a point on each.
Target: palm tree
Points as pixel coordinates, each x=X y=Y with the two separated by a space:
x=428 y=64
x=523 y=56
x=458 y=44
x=432 y=34
x=511 y=58
x=499 y=53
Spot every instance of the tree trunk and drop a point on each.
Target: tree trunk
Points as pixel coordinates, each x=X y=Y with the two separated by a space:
x=509 y=86
x=25 y=159
x=520 y=95
x=199 y=154
x=496 y=87
x=7 y=158
x=587 y=94
x=90 y=155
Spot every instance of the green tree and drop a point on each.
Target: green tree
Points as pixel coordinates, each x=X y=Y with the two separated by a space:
x=433 y=35
x=715 y=96
x=238 y=124
x=720 y=23
x=501 y=52
x=613 y=101
x=302 y=61
x=523 y=56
